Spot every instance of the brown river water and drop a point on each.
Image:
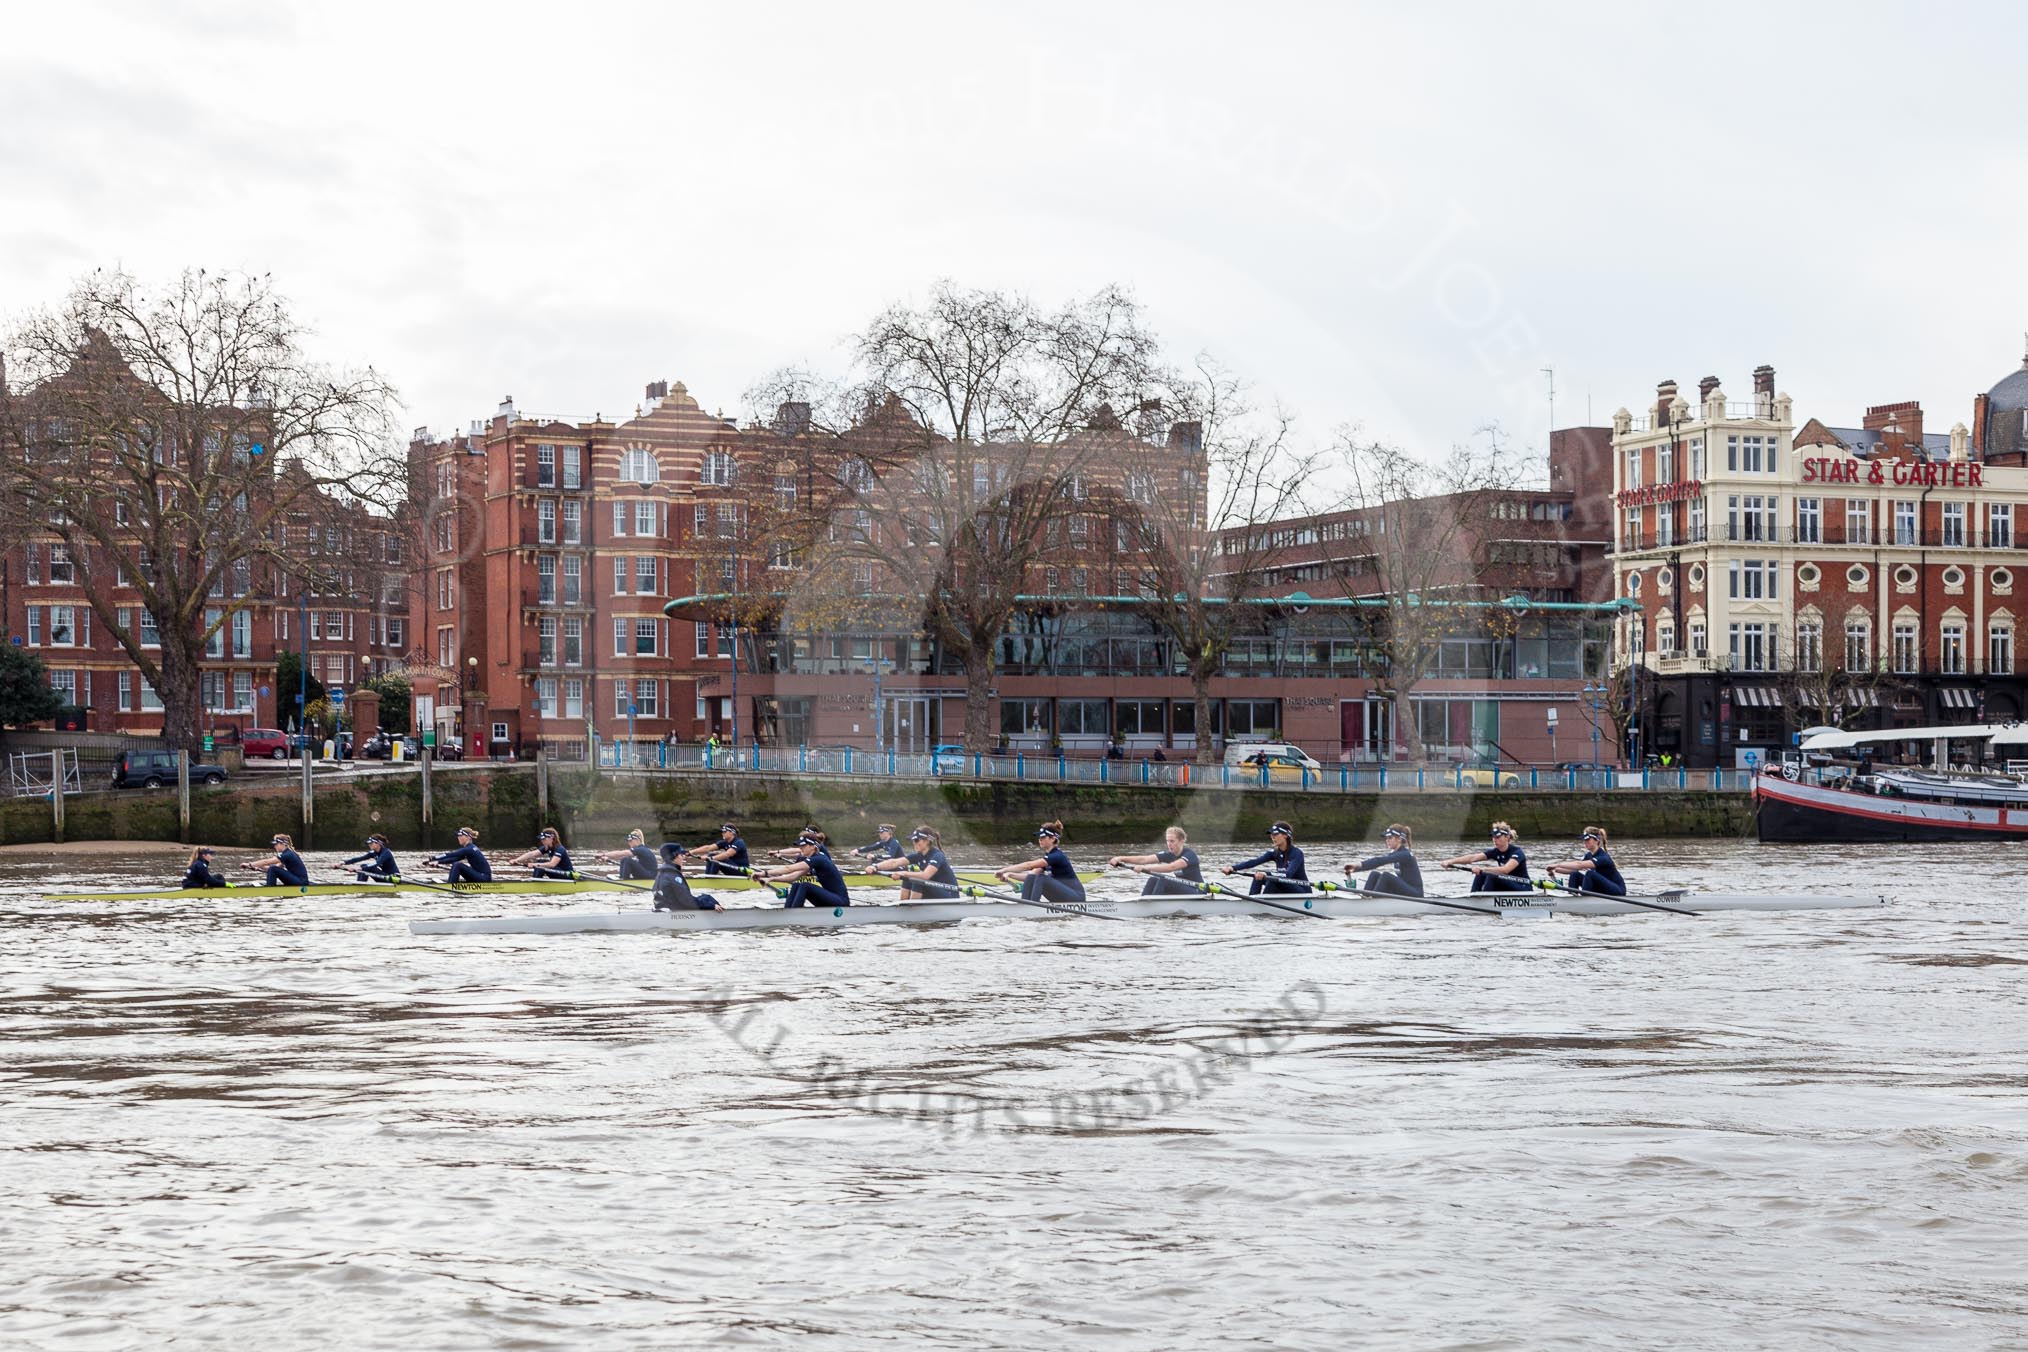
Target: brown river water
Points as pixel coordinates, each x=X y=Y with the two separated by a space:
x=273 y=1125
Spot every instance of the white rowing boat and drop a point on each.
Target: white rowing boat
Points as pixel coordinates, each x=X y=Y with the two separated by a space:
x=1517 y=905
x=583 y=883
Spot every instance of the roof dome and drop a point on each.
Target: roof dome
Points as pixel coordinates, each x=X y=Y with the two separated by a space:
x=2012 y=391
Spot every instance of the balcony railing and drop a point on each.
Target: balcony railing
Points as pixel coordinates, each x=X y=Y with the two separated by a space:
x=1828 y=535
x=561 y=598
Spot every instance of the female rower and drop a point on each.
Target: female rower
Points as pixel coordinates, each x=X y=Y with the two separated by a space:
x=468 y=862
x=1502 y=868
x=728 y=855
x=789 y=854
x=636 y=860
x=285 y=868
x=672 y=889
x=376 y=865
x=1050 y=878
x=883 y=846
x=1406 y=880
x=1280 y=868
x=926 y=872
x=548 y=859
x=1172 y=870
x=814 y=876
x=199 y=873
x=1596 y=872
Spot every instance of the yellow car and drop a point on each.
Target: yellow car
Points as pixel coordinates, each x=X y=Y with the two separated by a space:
x=1488 y=775
x=1280 y=769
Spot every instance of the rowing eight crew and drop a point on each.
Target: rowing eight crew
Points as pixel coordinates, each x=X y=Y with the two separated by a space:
x=925 y=872
x=1503 y=867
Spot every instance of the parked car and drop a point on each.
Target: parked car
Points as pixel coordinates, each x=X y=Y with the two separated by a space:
x=316 y=745
x=265 y=744
x=1249 y=753
x=381 y=745
x=450 y=748
x=153 y=769
x=1489 y=775
x=1282 y=769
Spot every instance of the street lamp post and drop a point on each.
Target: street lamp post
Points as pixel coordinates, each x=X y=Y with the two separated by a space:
x=1595 y=696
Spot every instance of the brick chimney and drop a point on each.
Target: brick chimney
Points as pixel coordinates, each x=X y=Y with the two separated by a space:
x=1899 y=425
x=1665 y=395
x=792 y=418
x=1705 y=387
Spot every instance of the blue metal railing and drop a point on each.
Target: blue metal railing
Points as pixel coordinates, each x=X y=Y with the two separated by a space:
x=1057 y=768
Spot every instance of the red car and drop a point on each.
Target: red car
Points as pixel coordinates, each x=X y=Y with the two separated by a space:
x=269 y=742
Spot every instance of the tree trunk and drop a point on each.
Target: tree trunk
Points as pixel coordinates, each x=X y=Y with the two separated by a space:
x=978 y=694
x=1200 y=692
x=180 y=692
x=1405 y=730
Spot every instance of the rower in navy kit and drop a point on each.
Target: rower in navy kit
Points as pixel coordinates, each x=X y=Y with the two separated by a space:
x=728 y=855
x=1406 y=880
x=1051 y=877
x=883 y=847
x=672 y=889
x=1596 y=873
x=467 y=863
x=376 y=865
x=926 y=871
x=285 y=868
x=1278 y=869
x=1172 y=870
x=198 y=873
x=1501 y=868
x=814 y=876
x=548 y=859
x=793 y=851
x=636 y=860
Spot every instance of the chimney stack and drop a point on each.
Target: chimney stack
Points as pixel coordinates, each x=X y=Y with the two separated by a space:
x=1665 y=395
x=792 y=418
x=658 y=389
x=1705 y=387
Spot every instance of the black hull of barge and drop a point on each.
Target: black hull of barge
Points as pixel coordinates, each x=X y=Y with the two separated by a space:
x=1781 y=822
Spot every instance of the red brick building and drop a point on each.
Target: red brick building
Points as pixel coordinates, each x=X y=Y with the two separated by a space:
x=1790 y=575
x=352 y=631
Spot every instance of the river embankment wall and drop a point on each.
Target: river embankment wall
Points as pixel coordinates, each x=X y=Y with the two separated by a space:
x=508 y=803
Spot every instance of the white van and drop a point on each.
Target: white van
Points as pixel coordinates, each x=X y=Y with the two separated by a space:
x=1239 y=754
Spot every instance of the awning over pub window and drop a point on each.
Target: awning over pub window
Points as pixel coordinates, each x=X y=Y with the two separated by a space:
x=1757 y=696
x=1955 y=698
x=1869 y=698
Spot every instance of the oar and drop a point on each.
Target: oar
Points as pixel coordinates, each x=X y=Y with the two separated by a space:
x=1547 y=886
x=1259 y=900
x=1396 y=896
x=616 y=882
x=1019 y=900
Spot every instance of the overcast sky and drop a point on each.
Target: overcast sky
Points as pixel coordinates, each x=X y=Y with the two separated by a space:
x=1392 y=216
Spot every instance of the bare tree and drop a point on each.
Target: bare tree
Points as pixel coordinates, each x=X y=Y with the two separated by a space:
x=1203 y=524
x=182 y=451
x=963 y=438
x=1822 y=689
x=1414 y=549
